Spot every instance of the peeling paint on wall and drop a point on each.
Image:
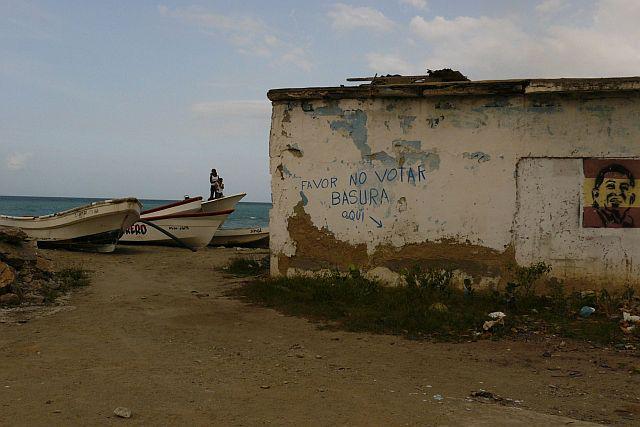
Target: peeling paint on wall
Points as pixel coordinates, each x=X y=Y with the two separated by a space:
x=478 y=156
x=319 y=249
x=494 y=180
x=355 y=126
x=406 y=123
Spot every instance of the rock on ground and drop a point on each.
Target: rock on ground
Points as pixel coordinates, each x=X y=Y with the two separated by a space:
x=7 y=276
x=24 y=275
x=12 y=235
x=122 y=412
x=9 y=299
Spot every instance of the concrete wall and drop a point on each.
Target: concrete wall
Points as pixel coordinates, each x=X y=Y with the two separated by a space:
x=474 y=183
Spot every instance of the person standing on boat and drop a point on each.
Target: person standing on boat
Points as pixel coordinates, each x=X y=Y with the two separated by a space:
x=219 y=189
x=213 y=180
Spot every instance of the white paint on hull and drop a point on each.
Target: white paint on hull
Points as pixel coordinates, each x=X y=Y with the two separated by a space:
x=195 y=230
x=96 y=218
x=239 y=236
x=183 y=206
x=222 y=204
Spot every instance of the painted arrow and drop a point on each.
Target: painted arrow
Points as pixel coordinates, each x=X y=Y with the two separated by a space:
x=378 y=223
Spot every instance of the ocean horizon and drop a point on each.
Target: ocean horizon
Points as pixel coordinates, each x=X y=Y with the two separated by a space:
x=246 y=214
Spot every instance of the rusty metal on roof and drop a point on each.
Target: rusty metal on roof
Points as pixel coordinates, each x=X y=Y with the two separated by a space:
x=425 y=86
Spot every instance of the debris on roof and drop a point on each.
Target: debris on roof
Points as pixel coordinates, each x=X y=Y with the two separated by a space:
x=447 y=82
x=443 y=75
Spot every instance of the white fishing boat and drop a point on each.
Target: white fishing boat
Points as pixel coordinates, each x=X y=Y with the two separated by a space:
x=223 y=203
x=95 y=227
x=193 y=229
x=189 y=204
x=255 y=236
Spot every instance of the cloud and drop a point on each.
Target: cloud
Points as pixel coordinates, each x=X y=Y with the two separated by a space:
x=233 y=108
x=298 y=57
x=17 y=161
x=382 y=63
x=249 y=36
x=24 y=19
x=233 y=119
x=482 y=44
x=347 y=18
x=488 y=48
x=418 y=4
x=547 y=7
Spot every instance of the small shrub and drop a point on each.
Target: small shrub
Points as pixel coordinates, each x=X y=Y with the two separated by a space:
x=527 y=277
x=432 y=279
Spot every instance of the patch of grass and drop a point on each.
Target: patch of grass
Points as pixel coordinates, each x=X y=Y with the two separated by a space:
x=65 y=280
x=358 y=304
x=247 y=266
x=72 y=278
x=430 y=307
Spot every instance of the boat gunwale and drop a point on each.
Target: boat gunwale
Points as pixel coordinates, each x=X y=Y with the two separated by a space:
x=188 y=215
x=207 y=202
x=73 y=210
x=171 y=205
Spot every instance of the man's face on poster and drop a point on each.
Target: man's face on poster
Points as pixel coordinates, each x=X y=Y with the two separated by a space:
x=615 y=191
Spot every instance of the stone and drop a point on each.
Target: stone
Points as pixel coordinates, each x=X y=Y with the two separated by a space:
x=385 y=276
x=12 y=235
x=7 y=276
x=17 y=255
x=34 y=298
x=122 y=412
x=44 y=264
x=9 y=299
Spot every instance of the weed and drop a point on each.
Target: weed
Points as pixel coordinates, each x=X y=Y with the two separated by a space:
x=557 y=295
x=527 y=277
x=72 y=278
x=359 y=304
x=429 y=306
x=468 y=288
x=433 y=279
x=248 y=266
x=63 y=281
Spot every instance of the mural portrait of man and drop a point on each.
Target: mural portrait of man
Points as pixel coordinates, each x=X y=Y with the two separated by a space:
x=612 y=194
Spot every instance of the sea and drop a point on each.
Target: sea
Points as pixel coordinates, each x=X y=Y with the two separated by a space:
x=246 y=214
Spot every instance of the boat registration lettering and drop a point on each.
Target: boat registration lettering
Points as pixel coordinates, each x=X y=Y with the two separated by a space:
x=85 y=212
x=136 y=229
x=178 y=227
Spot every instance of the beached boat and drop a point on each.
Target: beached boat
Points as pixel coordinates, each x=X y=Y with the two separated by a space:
x=189 y=204
x=95 y=227
x=223 y=203
x=193 y=229
x=256 y=236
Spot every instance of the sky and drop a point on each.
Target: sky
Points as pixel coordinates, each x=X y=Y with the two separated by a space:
x=143 y=98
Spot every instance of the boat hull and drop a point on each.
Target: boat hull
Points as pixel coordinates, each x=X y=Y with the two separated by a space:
x=222 y=204
x=94 y=227
x=256 y=236
x=101 y=242
x=182 y=206
x=194 y=229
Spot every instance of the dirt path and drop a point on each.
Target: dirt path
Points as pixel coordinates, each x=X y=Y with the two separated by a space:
x=155 y=333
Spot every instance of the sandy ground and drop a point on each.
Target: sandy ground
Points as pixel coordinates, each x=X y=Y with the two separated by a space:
x=155 y=333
